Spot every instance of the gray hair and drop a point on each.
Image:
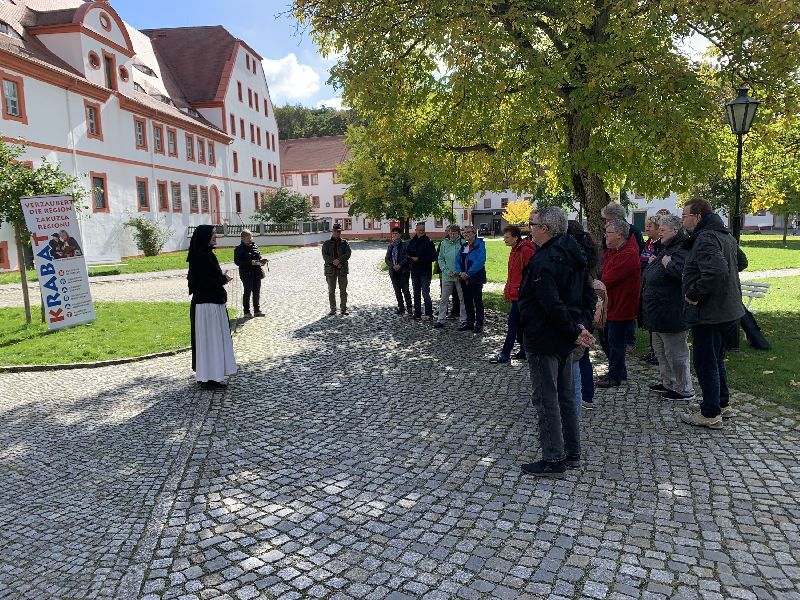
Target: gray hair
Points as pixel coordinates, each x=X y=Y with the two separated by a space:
x=555 y=218
x=246 y=232
x=671 y=221
x=613 y=210
x=654 y=219
x=469 y=228
x=620 y=226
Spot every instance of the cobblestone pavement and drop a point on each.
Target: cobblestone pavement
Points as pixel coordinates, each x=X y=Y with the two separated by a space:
x=368 y=457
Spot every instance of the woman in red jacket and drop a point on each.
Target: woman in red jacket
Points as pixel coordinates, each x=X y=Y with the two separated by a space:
x=621 y=275
x=521 y=251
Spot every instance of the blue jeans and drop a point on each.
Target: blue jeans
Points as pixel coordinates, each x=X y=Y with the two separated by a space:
x=617 y=333
x=512 y=334
x=587 y=377
x=473 y=299
x=422 y=285
x=553 y=396
x=709 y=365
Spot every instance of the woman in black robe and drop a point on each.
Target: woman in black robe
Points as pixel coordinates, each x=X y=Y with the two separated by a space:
x=212 y=348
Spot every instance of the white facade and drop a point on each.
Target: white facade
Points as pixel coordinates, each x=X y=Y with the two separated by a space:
x=85 y=107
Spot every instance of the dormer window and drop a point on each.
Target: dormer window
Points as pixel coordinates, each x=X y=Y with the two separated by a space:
x=163 y=98
x=138 y=88
x=144 y=69
x=6 y=29
x=190 y=111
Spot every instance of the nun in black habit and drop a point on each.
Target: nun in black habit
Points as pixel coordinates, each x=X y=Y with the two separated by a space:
x=212 y=348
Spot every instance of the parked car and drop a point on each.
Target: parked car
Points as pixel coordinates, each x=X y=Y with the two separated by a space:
x=483 y=230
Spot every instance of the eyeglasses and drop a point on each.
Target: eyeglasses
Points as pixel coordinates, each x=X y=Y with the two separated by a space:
x=539 y=225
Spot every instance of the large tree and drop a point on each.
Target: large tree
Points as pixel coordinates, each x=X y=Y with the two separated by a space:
x=295 y=121
x=599 y=92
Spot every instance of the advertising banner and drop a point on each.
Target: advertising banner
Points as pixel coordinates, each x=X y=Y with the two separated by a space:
x=59 y=261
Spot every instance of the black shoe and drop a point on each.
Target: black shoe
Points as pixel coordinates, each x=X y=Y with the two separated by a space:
x=543 y=468
x=213 y=385
x=648 y=357
x=400 y=311
x=671 y=395
x=605 y=382
x=658 y=388
x=572 y=462
x=258 y=313
x=478 y=329
x=332 y=312
x=466 y=328
x=344 y=311
x=653 y=361
x=500 y=358
x=438 y=325
x=247 y=315
x=520 y=355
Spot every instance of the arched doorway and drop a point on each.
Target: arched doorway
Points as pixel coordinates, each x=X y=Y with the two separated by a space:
x=216 y=218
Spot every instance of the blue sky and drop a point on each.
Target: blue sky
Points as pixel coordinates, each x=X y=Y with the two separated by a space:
x=295 y=70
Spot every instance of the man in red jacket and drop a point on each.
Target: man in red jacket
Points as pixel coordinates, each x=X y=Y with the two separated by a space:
x=521 y=251
x=622 y=277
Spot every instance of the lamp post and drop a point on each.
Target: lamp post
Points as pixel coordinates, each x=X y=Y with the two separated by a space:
x=740 y=112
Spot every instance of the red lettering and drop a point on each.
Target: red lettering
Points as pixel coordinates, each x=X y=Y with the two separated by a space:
x=56 y=316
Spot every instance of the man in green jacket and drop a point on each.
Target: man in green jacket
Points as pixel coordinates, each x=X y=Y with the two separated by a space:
x=448 y=256
x=336 y=252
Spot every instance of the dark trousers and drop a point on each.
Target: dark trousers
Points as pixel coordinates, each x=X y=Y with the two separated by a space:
x=587 y=377
x=455 y=312
x=401 y=291
x=251 y=284
x=553 y=396
x=708 y=355
x=422 y=287
x=340 y=279
x=616 y=337
x=513 y=331
x=473 y=300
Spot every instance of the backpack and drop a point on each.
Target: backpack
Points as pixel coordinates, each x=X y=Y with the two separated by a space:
x=601 y=308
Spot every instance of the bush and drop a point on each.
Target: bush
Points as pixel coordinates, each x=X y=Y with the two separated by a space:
x=150 y=236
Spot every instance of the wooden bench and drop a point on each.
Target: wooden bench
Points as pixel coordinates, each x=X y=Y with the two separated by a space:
x=104 y=261
x=753 y=289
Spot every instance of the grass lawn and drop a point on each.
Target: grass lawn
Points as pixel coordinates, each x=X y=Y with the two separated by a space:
x=145 y=264
x=770 y=374
x=763 y=252
x=122 y=329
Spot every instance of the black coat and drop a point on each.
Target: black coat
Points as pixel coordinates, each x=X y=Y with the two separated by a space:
x=711 y=274
x=555 y=297
x=402 y=258
x=243 y=255
x=423 y=248
x=206 y=280
x=663 y=307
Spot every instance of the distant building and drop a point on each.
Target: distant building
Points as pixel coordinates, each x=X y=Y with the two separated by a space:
x=308 y=166
x=174 y=124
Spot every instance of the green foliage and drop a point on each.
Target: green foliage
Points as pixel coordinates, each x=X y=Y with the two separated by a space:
x=17 y=180
x=720 y=191
x=283 y=206
x=150 y=235
x=295 y=121
x=595 y=94
x=381 y=187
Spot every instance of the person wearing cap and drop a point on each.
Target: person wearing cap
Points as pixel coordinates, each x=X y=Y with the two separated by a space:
x=336 y=253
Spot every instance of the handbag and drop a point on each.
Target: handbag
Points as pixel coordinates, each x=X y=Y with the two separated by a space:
x=260 y=271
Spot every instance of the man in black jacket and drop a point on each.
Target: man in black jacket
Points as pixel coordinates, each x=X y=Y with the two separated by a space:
x=556 y=303
x=251 y=270
x=713 y=296
x=421 y=253
x=399 y=271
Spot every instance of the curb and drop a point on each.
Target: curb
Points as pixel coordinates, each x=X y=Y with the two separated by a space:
x=90 y=365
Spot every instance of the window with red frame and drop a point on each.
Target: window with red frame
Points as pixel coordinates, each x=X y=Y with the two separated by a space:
x=238 y=197
x=241 y=129
x=255 y=100
x=194 y=205
x=140 y=133
x=235 y=162
x=247 y=61
x=201 y=151
x=13 y=98
x=266 y=108
x=172 y=142
x=255 y=199
x=255 y=167
x=142 y=194
x=239 y=89
x=250 y=97
x=94 y=128
x=258 y=135
x=177 y=201
x=158 y=139
x=233 y=124
x=252 y=133
x=212 y=154
x=99 y=192
x=189 y=147
x=260 y=170
x=163 y=199
x=204 y=205
x=314 y=201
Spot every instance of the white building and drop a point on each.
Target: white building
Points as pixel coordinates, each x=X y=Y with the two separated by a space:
x=174 y=124
x=309 y=167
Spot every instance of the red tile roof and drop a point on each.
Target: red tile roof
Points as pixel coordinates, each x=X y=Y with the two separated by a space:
x=313 y=154
x=195 y=58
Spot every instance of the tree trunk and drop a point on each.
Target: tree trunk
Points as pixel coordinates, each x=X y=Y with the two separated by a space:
x=588 y=187
x=22 y=272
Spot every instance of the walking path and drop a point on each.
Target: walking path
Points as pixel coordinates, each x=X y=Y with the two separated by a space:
x=369 y=457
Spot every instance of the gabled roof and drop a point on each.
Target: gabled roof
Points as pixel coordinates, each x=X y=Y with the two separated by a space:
x=196 y=58
x=313 y=154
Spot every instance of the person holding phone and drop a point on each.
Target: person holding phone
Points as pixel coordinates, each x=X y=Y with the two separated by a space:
x=251 y=271
x=212 y=348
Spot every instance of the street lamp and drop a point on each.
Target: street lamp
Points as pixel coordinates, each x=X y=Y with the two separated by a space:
x=740 y=112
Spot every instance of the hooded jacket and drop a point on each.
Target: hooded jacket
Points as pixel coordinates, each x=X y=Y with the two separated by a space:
x=621 y=275
x=711 y=274
x=555 y=298
x=449 y=258
x=663 y=306
x=520 y=255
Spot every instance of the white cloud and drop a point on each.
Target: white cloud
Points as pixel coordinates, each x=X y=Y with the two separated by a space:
x=331 y=103
x=289 y=80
